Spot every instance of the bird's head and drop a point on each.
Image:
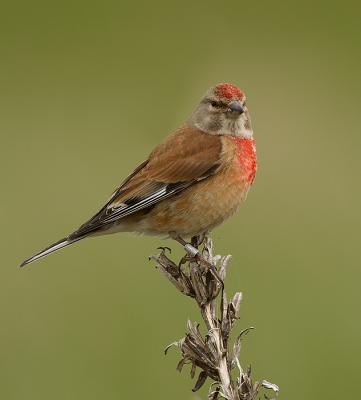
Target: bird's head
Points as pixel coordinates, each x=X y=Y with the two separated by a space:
x=222 y=111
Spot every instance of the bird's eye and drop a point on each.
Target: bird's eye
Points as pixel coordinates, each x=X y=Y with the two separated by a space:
x=214 y=103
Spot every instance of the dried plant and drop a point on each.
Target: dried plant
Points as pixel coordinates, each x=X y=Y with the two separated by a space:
x=203 y=282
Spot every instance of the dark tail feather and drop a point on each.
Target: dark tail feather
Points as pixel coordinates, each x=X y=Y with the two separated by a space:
x=54 y=247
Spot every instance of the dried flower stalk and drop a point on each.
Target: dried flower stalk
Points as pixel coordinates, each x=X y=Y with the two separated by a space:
x=212 y=353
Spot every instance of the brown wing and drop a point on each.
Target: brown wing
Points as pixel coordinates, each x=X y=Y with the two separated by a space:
x=182 y=159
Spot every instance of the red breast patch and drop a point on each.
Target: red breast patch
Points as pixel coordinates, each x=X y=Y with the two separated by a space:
x=246 y=158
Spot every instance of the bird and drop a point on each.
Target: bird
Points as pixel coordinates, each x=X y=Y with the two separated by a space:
x=191 y=182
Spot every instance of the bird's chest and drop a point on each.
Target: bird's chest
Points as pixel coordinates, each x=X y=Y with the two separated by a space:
x=243 y=159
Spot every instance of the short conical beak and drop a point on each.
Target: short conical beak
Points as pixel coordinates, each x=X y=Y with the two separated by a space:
x=235 y=106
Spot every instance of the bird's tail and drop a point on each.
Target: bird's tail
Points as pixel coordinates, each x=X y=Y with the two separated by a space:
x=54 y=247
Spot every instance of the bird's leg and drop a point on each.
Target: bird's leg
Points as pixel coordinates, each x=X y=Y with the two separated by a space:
x=192 y=248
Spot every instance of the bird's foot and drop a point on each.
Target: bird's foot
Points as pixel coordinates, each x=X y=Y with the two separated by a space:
x=164 y=248
x=195 y=256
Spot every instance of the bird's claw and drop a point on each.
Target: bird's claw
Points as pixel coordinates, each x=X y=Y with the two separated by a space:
x=164 y=249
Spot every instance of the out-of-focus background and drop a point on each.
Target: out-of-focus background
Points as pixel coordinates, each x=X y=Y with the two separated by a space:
x=87 y=90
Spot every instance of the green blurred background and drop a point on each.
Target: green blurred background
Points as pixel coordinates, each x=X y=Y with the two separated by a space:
x=88 y=88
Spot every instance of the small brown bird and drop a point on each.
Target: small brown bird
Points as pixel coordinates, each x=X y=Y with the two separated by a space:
x=190 y=183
